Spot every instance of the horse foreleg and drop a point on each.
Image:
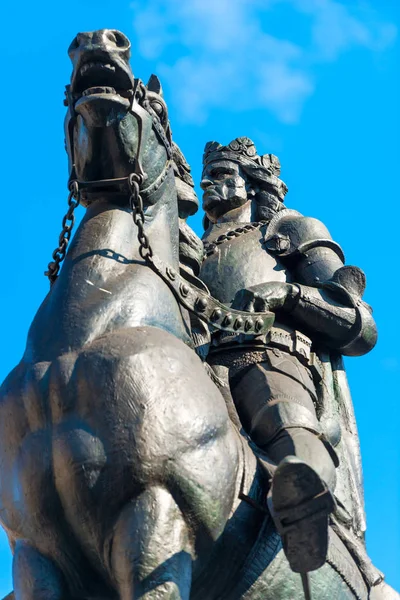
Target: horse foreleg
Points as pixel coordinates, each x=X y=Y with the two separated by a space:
x=35 y=576
x=151 y=551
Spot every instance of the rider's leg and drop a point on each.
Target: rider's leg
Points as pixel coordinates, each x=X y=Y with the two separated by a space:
x=300 y=442
x=277 y=409
x=152 y=550
x=35 y=576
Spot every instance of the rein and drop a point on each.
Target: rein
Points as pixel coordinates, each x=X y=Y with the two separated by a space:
x=196 y=300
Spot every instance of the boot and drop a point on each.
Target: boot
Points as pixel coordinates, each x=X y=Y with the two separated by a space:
x=300 y=504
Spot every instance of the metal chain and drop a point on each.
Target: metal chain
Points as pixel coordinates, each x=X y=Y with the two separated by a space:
x=210 y=247
x=136 y=204
x=192 y=298
x=65 y=235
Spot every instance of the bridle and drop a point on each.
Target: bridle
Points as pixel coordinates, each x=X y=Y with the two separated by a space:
x=140 y=108
x=196 y=299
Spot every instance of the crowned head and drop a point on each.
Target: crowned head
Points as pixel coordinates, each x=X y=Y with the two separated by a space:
x=236 y=178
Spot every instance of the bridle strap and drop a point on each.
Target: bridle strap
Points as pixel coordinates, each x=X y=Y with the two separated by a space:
x=123 y=183
x=141 y=114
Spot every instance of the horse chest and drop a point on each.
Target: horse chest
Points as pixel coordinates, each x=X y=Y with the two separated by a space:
x=105 y=286
x=82 y=308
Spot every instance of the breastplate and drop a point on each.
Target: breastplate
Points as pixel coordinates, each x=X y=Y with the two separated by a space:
x=238 y=263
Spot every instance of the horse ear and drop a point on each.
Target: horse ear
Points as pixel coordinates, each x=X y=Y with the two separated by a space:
x=154 y=85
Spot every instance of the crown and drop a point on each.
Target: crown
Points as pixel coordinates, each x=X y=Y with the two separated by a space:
x=242 y=150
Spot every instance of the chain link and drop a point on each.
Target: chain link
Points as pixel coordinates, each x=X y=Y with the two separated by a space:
x=136 y=203
x=211 y=247
x=65 y=235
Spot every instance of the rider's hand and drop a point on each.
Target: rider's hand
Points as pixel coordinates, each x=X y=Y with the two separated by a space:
x=271 y=296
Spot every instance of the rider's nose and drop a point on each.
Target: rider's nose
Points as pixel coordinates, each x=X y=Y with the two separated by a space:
x=205 y=183
x=106 y=40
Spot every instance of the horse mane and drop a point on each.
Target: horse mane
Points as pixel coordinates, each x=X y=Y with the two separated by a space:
x=191 y=250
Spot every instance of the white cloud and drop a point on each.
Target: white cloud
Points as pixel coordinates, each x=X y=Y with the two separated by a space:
x=336 y=27
x=217 y=53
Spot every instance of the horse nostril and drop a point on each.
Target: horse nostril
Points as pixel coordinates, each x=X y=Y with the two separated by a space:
x=122 y=40
x=81 y=39
x=118 y=38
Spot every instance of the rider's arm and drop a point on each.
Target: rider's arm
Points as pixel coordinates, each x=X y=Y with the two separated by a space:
x=326 y=298
x=341 y=321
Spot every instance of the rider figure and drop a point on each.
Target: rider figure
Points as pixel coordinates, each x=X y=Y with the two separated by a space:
x=261 y=256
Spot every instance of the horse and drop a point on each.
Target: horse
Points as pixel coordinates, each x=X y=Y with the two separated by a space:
x=122 y=473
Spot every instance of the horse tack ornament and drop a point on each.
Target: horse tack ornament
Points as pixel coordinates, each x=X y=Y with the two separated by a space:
x=124 y=473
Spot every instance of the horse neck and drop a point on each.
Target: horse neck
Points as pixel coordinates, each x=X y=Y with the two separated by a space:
x=108 y=231
x=105 y=284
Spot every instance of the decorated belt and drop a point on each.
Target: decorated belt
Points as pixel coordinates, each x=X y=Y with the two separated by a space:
x=293 y=342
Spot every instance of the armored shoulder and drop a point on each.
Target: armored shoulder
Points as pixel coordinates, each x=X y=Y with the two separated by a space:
x=306 y=245
x=330 y=298
x=290 y=233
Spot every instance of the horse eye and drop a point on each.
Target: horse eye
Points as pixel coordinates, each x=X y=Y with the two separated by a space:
x=159 y=110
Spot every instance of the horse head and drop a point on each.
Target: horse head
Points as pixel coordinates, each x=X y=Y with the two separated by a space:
x=115 y=126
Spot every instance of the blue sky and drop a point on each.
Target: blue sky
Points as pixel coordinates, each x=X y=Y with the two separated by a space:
x=314 y=81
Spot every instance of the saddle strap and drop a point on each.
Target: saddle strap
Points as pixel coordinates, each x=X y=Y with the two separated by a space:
x=209 y=309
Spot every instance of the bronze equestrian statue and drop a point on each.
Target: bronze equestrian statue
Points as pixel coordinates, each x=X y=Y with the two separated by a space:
x=124 y=473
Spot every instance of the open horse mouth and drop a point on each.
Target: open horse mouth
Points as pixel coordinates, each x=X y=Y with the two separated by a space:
x=96 y=79
x=101 y=69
